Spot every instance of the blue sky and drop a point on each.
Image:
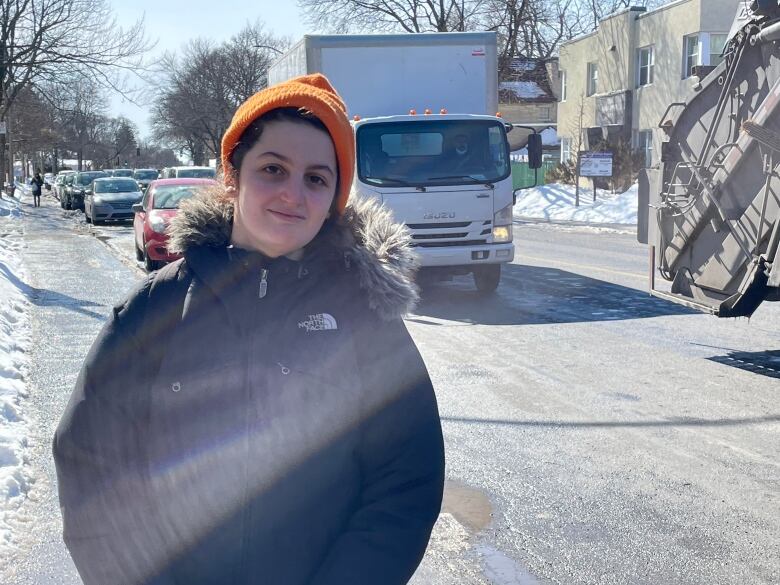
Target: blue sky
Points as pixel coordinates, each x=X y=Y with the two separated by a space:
x=174 y=22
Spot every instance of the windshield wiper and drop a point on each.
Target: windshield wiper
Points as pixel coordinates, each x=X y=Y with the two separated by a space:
x=383 y=180
x=473 y=178
x=489 y=184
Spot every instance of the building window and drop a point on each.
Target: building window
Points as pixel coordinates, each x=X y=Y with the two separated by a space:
x=544 y=113
x=593 y=78
x=645 y=146
x=717 y=44
x=692 y=53
x=565 y=149
x=645 y=65
x=563 y=86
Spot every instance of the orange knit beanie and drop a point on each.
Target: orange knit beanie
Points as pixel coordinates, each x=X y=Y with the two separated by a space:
x=315 y=94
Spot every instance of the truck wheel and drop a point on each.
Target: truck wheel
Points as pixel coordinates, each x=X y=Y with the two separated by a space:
x=487 y=278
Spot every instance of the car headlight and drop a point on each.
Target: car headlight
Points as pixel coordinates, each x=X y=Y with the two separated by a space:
x=157 y=223
x=97 y=200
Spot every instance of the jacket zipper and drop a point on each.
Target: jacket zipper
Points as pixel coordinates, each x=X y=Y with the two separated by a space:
x=263 y=283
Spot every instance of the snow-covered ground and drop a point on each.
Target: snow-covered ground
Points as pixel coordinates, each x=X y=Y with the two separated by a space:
x=555 y=202
x=14 y=340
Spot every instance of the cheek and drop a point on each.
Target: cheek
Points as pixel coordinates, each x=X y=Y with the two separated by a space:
x=322 y=204
x=253 y=191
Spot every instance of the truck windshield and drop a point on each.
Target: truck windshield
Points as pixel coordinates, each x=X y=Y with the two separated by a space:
x=435 y=152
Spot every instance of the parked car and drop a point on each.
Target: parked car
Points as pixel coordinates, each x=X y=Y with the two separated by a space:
x=144 y=177
x=74 y=194
x=67 y=185
x=110 y=199
x=122 y=172
x=152 y=215
x=189 y=173
x=59 y=183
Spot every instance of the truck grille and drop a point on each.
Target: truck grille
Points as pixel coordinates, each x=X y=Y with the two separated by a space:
x=448 y=244
x=431 y=226
x=440 y=235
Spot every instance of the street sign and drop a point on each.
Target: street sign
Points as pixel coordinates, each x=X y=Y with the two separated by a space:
x=596 y=164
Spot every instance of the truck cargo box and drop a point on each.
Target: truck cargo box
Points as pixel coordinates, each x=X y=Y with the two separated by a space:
x=386 y=75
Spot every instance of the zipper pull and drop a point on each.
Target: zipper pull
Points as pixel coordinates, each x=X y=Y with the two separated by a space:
x=263 y=284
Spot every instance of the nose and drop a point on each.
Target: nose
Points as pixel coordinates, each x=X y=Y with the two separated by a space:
x=292 y=193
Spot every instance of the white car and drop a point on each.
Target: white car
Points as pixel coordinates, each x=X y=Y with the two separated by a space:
x=59 y=183
x=189 y=173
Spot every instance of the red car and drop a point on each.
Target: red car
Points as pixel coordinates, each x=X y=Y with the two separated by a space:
x=152 y=215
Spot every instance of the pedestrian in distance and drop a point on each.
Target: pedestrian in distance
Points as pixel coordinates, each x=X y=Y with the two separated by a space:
x=257 y=412
x=37 y=185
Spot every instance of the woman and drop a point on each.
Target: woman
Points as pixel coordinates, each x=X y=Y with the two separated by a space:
x=37 y=185
x=257 y=412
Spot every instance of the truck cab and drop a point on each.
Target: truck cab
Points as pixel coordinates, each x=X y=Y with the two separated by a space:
x=448 y=179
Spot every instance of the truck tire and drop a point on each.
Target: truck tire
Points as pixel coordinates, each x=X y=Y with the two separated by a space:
x=487 y=277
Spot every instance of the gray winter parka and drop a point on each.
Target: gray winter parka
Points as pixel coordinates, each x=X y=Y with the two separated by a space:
x=241 y=420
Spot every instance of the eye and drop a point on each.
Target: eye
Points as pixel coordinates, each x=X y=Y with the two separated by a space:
x=273 y=169
x=318 y=180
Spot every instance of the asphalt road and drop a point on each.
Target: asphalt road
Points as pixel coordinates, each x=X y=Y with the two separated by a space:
x=594 y=434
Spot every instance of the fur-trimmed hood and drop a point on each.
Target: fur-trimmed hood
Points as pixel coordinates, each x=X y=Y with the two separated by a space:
x=366 y=235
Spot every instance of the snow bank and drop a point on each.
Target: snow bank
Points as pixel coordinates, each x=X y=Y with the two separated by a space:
x=556 y=202
x=8 y=206
x=14 y=340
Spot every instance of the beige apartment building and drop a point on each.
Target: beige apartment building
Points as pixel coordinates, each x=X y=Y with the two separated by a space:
x=617 y=82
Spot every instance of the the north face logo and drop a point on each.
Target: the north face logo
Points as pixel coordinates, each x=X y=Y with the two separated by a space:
x=319 y=322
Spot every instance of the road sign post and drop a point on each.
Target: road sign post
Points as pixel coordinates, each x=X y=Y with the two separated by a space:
x=595 y=164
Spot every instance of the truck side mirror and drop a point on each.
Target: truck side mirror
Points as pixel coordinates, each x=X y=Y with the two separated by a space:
x=534 y=147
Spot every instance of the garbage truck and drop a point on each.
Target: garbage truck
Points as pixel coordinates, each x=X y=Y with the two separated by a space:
x=431 y=145
x=709 y=208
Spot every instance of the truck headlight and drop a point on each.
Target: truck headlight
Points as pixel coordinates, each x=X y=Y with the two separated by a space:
x=502 y=225
x=97 y=200
x=502 y=234
x=503 y=216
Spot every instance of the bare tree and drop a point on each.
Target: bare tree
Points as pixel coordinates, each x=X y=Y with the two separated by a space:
x=413 y=16
x=531 y=28
x=49 y=40
x=83 y=108
x=200 y=92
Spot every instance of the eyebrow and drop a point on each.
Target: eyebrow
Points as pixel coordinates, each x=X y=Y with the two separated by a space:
x=287 y=160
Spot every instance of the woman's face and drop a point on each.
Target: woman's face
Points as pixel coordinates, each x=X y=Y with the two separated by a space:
x=286 y=185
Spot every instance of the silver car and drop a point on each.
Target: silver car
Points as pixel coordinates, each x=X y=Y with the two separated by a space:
x=111 y=198
x=59 y=183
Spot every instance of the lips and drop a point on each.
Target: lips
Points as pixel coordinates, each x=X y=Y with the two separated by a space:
x=286 y=215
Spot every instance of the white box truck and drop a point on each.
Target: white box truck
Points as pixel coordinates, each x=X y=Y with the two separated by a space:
x=429 y=144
